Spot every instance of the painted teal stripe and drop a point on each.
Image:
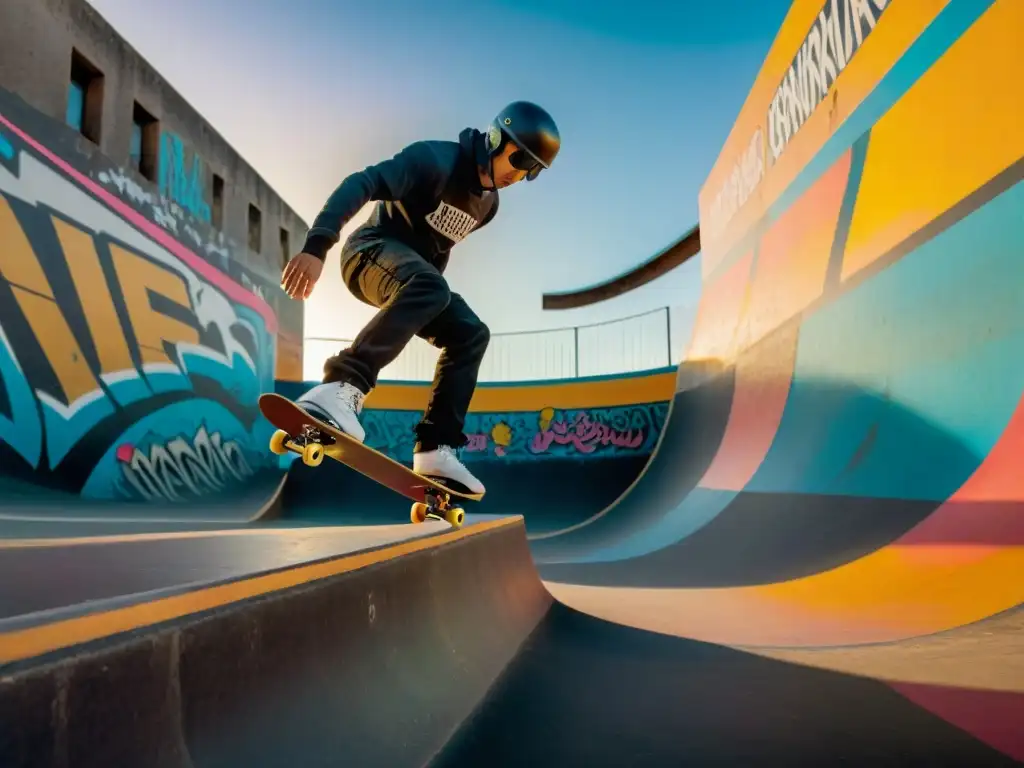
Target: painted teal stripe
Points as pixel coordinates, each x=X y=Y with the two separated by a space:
x=700 y=507
x=929 y=47
x=902 y=386
x=858 y=157
x=6 y=149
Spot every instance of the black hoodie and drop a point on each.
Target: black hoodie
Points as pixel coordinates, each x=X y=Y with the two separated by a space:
x=430 y=199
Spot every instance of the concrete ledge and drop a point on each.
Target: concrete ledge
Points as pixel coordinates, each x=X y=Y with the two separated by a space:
x=376 y=665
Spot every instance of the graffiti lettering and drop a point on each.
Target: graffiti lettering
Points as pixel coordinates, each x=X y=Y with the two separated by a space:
x=217 y=249
x=835 y=36
x=207 y=464
x=109 y=326
x=585 y=436
x=180 y=183
x=530 y=435
x=743 y=179
x=213 y=244
x=476 y=444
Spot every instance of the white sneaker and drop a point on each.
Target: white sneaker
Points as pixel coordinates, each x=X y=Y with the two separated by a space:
x=339 y=404
x=444 y=465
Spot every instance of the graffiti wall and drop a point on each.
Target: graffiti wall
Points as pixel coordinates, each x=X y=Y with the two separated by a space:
x=570 y=447
x=189 y=225
x=630 y=430
x=600 y=417
x=130 y=359
x=183 y=176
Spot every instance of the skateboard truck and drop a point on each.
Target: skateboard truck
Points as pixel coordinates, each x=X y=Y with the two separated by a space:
x=300 y=432
x=309 y=443
x=437 y=507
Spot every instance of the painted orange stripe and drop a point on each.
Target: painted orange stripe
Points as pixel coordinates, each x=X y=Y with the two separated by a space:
x=911 y=588
x=985 y=512
x=753 y=116
x=722 y=306
x=763 y=379
x=794 y=255
x=26 y=643
x=605 y=393
x=944 y=139
x=792 y=263
x=895 y=33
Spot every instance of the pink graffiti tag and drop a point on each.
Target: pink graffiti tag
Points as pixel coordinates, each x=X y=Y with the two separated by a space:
x=586 y=435
x=477 y=443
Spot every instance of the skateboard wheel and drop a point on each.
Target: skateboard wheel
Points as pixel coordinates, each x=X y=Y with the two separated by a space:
x=312 y=454
x=455 y=516
x=277 y=443
x=419 y=512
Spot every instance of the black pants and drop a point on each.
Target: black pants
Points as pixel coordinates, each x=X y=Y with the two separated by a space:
x=413 y=299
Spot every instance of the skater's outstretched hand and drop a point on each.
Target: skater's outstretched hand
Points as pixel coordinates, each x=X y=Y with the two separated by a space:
x=300 y=275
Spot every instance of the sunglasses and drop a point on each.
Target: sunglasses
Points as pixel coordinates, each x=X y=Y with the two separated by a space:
x=522 y=160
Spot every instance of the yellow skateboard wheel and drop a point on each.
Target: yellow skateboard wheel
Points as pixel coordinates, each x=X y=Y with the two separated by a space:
x=277 y=442
x=455 y=516
x=312 y=454
x=419 y=512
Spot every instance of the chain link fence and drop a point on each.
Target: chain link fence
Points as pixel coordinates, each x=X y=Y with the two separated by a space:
x=646 y=341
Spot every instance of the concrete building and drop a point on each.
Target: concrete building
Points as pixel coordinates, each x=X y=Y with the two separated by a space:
x=66 y=61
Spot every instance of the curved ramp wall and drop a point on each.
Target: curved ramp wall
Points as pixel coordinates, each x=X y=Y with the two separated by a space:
x=840 y=463
x=132 y=348
x=553 y=451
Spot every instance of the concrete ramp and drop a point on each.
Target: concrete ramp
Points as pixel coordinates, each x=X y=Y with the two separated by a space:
x=821 y=564
x=840 y=462
x=315 y=647
x=838 y=481
x=584 y=691
x=414 y=645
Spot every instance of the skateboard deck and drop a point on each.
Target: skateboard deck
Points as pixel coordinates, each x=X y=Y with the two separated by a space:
x=301 y=433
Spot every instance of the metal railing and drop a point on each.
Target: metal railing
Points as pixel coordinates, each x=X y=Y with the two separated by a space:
x=646 y=341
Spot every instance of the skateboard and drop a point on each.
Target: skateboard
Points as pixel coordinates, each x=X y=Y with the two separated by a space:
x=302 y=433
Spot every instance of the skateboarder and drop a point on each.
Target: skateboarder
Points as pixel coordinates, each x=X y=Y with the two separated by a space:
x=431 y=195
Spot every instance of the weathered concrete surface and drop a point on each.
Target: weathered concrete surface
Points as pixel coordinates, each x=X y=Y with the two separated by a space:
x=133 y=354
x=584 y=691
x=374 y=666
x=36 y=42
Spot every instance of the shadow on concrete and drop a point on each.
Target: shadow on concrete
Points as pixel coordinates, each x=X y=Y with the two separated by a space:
x=549 y=493
x=848 y=472
x=583 y=691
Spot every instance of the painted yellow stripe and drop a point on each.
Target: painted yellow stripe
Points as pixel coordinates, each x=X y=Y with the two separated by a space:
x=894 y=34
x=603 y=393
x=954 y=130
x=950 y=570
x=26 y=643
x=885 y=597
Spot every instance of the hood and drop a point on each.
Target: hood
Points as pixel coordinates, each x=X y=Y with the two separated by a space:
x=474 y=150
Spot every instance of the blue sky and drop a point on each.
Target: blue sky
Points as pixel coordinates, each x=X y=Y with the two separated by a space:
x=644 y=93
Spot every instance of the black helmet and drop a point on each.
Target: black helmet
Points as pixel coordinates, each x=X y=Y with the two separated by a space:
x=532 y=129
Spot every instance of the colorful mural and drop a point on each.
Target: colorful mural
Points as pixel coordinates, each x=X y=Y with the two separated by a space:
x=848 y=473
x=530 y=435
x=130 y=363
